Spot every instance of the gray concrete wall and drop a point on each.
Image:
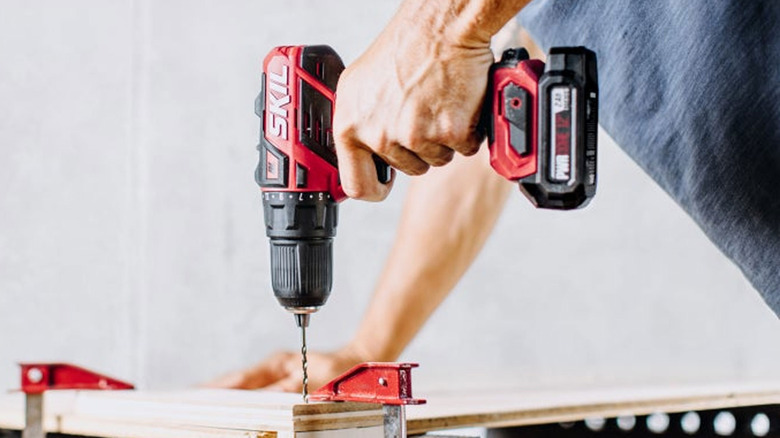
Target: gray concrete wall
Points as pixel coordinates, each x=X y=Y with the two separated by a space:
x=131 y=237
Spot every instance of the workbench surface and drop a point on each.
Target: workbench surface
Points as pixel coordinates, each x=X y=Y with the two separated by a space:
x=210 y=413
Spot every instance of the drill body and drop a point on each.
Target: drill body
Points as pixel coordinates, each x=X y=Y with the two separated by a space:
x=298 y=172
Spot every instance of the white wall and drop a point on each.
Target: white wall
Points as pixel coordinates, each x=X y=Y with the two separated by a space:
x=131 y=237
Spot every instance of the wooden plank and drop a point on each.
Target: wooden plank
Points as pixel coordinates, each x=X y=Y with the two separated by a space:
x=132 y=414
x=452 y=409
x=261 y=414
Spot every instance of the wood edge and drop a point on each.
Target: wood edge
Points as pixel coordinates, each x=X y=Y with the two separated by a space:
x=345 y=420
x=579 y=412
x=85 y=426
x=332 y=407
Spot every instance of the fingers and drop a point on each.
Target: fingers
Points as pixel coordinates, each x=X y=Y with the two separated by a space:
x=358 y=171
x=402 y=158
x=471 y=145
x=432 y=154
x=233 y=380
x=291 y=383
x=282 y=371
x=274 y=369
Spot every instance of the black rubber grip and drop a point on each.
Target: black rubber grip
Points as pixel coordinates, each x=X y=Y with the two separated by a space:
x=301 y=227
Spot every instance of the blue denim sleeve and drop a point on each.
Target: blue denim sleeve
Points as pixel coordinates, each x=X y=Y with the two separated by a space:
x=691 y=91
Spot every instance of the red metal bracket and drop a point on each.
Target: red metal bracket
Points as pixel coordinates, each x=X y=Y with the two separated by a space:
x=40 y=377
x=386 y=383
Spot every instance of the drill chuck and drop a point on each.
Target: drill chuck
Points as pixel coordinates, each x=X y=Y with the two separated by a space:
x=301 y=227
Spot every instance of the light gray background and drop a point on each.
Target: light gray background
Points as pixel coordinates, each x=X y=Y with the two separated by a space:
x=131 y=238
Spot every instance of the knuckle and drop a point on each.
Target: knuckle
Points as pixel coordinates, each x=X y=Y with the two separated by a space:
x=470 y=148
x=417 y=169
x=412 y=140
x=342 y=135
x=442 y=159
x=452 y=130
x=357 y=190
x=366 y=192
x=382 y=147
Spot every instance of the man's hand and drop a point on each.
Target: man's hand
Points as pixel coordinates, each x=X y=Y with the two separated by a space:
x=282 y=371
x=415 y=96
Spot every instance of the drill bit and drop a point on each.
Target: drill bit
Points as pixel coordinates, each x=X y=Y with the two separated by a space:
x=302 y=319
x=304 y=365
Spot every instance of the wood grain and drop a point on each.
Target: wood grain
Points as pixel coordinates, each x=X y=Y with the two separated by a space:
x=261 y=414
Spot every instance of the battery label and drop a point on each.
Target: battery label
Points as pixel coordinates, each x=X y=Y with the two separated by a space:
x=562 y=127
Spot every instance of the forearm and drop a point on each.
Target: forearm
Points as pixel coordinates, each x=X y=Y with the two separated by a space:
x=466 y=22
x=442 y=230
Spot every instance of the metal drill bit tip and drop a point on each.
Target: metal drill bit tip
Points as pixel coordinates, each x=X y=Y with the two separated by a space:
x=302 y=319
x=304 y=364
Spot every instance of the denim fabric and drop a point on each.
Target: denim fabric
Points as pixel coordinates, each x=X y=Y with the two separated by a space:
x=690 y=89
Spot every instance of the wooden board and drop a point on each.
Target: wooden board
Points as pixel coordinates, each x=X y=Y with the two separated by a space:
x=210 y=413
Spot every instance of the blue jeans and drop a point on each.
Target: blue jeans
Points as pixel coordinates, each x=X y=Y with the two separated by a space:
x=690 y=89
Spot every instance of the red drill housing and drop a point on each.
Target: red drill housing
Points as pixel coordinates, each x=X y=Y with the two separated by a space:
x=296 y=107
x=298 y=172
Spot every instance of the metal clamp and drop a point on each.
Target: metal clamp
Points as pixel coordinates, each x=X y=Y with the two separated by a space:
x=38 y=378
x=385 y=383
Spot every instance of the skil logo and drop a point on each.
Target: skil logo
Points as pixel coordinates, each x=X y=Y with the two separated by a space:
x=278 y=98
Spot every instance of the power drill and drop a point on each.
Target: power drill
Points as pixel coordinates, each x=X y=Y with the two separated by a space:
x=540 y=122
x=298 y=173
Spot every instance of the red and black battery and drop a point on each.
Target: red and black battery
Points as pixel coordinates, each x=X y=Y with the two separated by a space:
x=541 y=123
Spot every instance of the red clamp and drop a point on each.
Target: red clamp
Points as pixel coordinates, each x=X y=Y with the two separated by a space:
x=40 y=377
x=385 y=383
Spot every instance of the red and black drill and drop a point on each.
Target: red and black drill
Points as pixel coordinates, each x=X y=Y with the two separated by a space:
x=540 y=122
